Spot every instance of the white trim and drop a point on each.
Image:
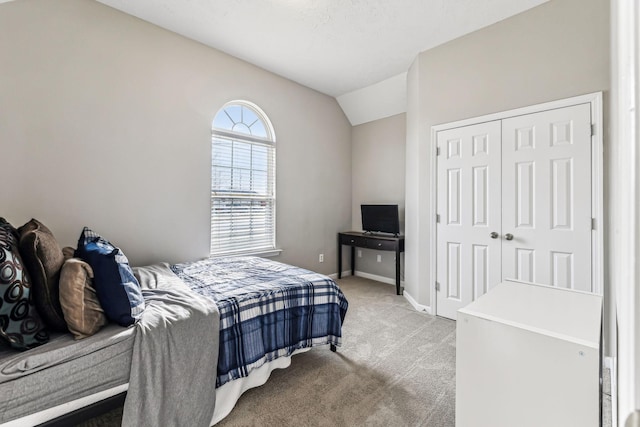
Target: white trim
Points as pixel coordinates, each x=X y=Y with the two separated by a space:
x=269 y=253
x=588 y=98
x=624 y=195
x=377 y=278
x=266 y=253
x=269 y=197
x=597 y=194
x=231 y=135
x=433 y=260
x=388 y=281
x=259 y=112
x=611 y=363
x=414 y=303
x=344 y=274
x=597 y=209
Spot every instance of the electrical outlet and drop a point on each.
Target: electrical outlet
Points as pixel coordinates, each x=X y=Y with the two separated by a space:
x=359 y=253
x=321 y=258
x=379 y=258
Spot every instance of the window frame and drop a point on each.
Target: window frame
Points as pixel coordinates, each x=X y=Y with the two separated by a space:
x=269 y=195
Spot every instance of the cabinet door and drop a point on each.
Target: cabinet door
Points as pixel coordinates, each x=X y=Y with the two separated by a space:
x=546 y=197
x=468 y=204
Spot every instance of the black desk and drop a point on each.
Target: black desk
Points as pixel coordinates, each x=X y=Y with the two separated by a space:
x=370 y=241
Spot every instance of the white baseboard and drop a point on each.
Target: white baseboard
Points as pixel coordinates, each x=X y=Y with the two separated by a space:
x=382 y=279
x=389 y=281
x=414 y=303
x=334 y=276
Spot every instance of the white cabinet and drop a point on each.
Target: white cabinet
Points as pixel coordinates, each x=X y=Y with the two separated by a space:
x=529 y=356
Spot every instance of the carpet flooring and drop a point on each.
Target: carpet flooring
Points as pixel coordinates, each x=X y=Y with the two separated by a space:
x=396 y=368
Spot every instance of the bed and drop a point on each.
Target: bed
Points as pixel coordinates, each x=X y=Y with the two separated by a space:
x=268 y=311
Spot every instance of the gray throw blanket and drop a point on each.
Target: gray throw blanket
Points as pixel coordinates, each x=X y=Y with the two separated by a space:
x=175 y=354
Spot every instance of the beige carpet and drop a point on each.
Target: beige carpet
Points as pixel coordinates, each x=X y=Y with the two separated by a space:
x=396 y=368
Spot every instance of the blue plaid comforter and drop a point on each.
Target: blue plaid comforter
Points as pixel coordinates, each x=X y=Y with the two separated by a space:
x=267 y=309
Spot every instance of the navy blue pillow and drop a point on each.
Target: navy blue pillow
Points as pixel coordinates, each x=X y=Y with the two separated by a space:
x=117 y=288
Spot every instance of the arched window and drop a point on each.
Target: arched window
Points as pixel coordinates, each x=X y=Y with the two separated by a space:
x=243 y=196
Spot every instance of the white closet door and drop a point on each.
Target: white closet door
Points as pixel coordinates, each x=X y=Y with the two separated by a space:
x=468 y=203
x=546 y=197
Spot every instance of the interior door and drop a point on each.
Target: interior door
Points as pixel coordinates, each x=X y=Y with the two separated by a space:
x=468 y=200
x=546 y=197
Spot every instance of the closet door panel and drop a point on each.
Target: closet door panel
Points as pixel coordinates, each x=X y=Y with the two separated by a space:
x=468 y=204
x=546 y=197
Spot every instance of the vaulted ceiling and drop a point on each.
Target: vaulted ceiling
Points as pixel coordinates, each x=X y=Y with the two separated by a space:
x=332 y=46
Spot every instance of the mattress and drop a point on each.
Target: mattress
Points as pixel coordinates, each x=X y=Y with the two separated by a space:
x=253 y=295
x=226 y=396
x=63 y=370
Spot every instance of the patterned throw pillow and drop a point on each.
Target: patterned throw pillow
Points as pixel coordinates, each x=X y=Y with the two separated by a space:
x=43 y=258
x=20 y=324
x=117 y=288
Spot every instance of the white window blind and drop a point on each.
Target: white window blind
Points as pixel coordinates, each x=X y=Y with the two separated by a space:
x=242 y=181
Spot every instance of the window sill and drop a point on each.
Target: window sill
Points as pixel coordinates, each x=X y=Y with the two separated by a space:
x=268 y=253
x=261 y=253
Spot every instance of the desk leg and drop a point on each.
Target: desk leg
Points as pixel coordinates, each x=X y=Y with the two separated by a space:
x=398 y=289
x=339 y=259
x=353 y=260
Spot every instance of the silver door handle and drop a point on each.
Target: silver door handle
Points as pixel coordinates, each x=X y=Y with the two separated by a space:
x=494 y=235
x=508 y=236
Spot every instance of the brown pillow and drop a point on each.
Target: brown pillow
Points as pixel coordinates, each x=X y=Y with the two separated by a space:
x=43 y=258
x=79 y=301
x=68 y=252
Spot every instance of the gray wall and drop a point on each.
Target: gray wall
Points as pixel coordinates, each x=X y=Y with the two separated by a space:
x=377 y=164
x=556 y=50
x=105 y=121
